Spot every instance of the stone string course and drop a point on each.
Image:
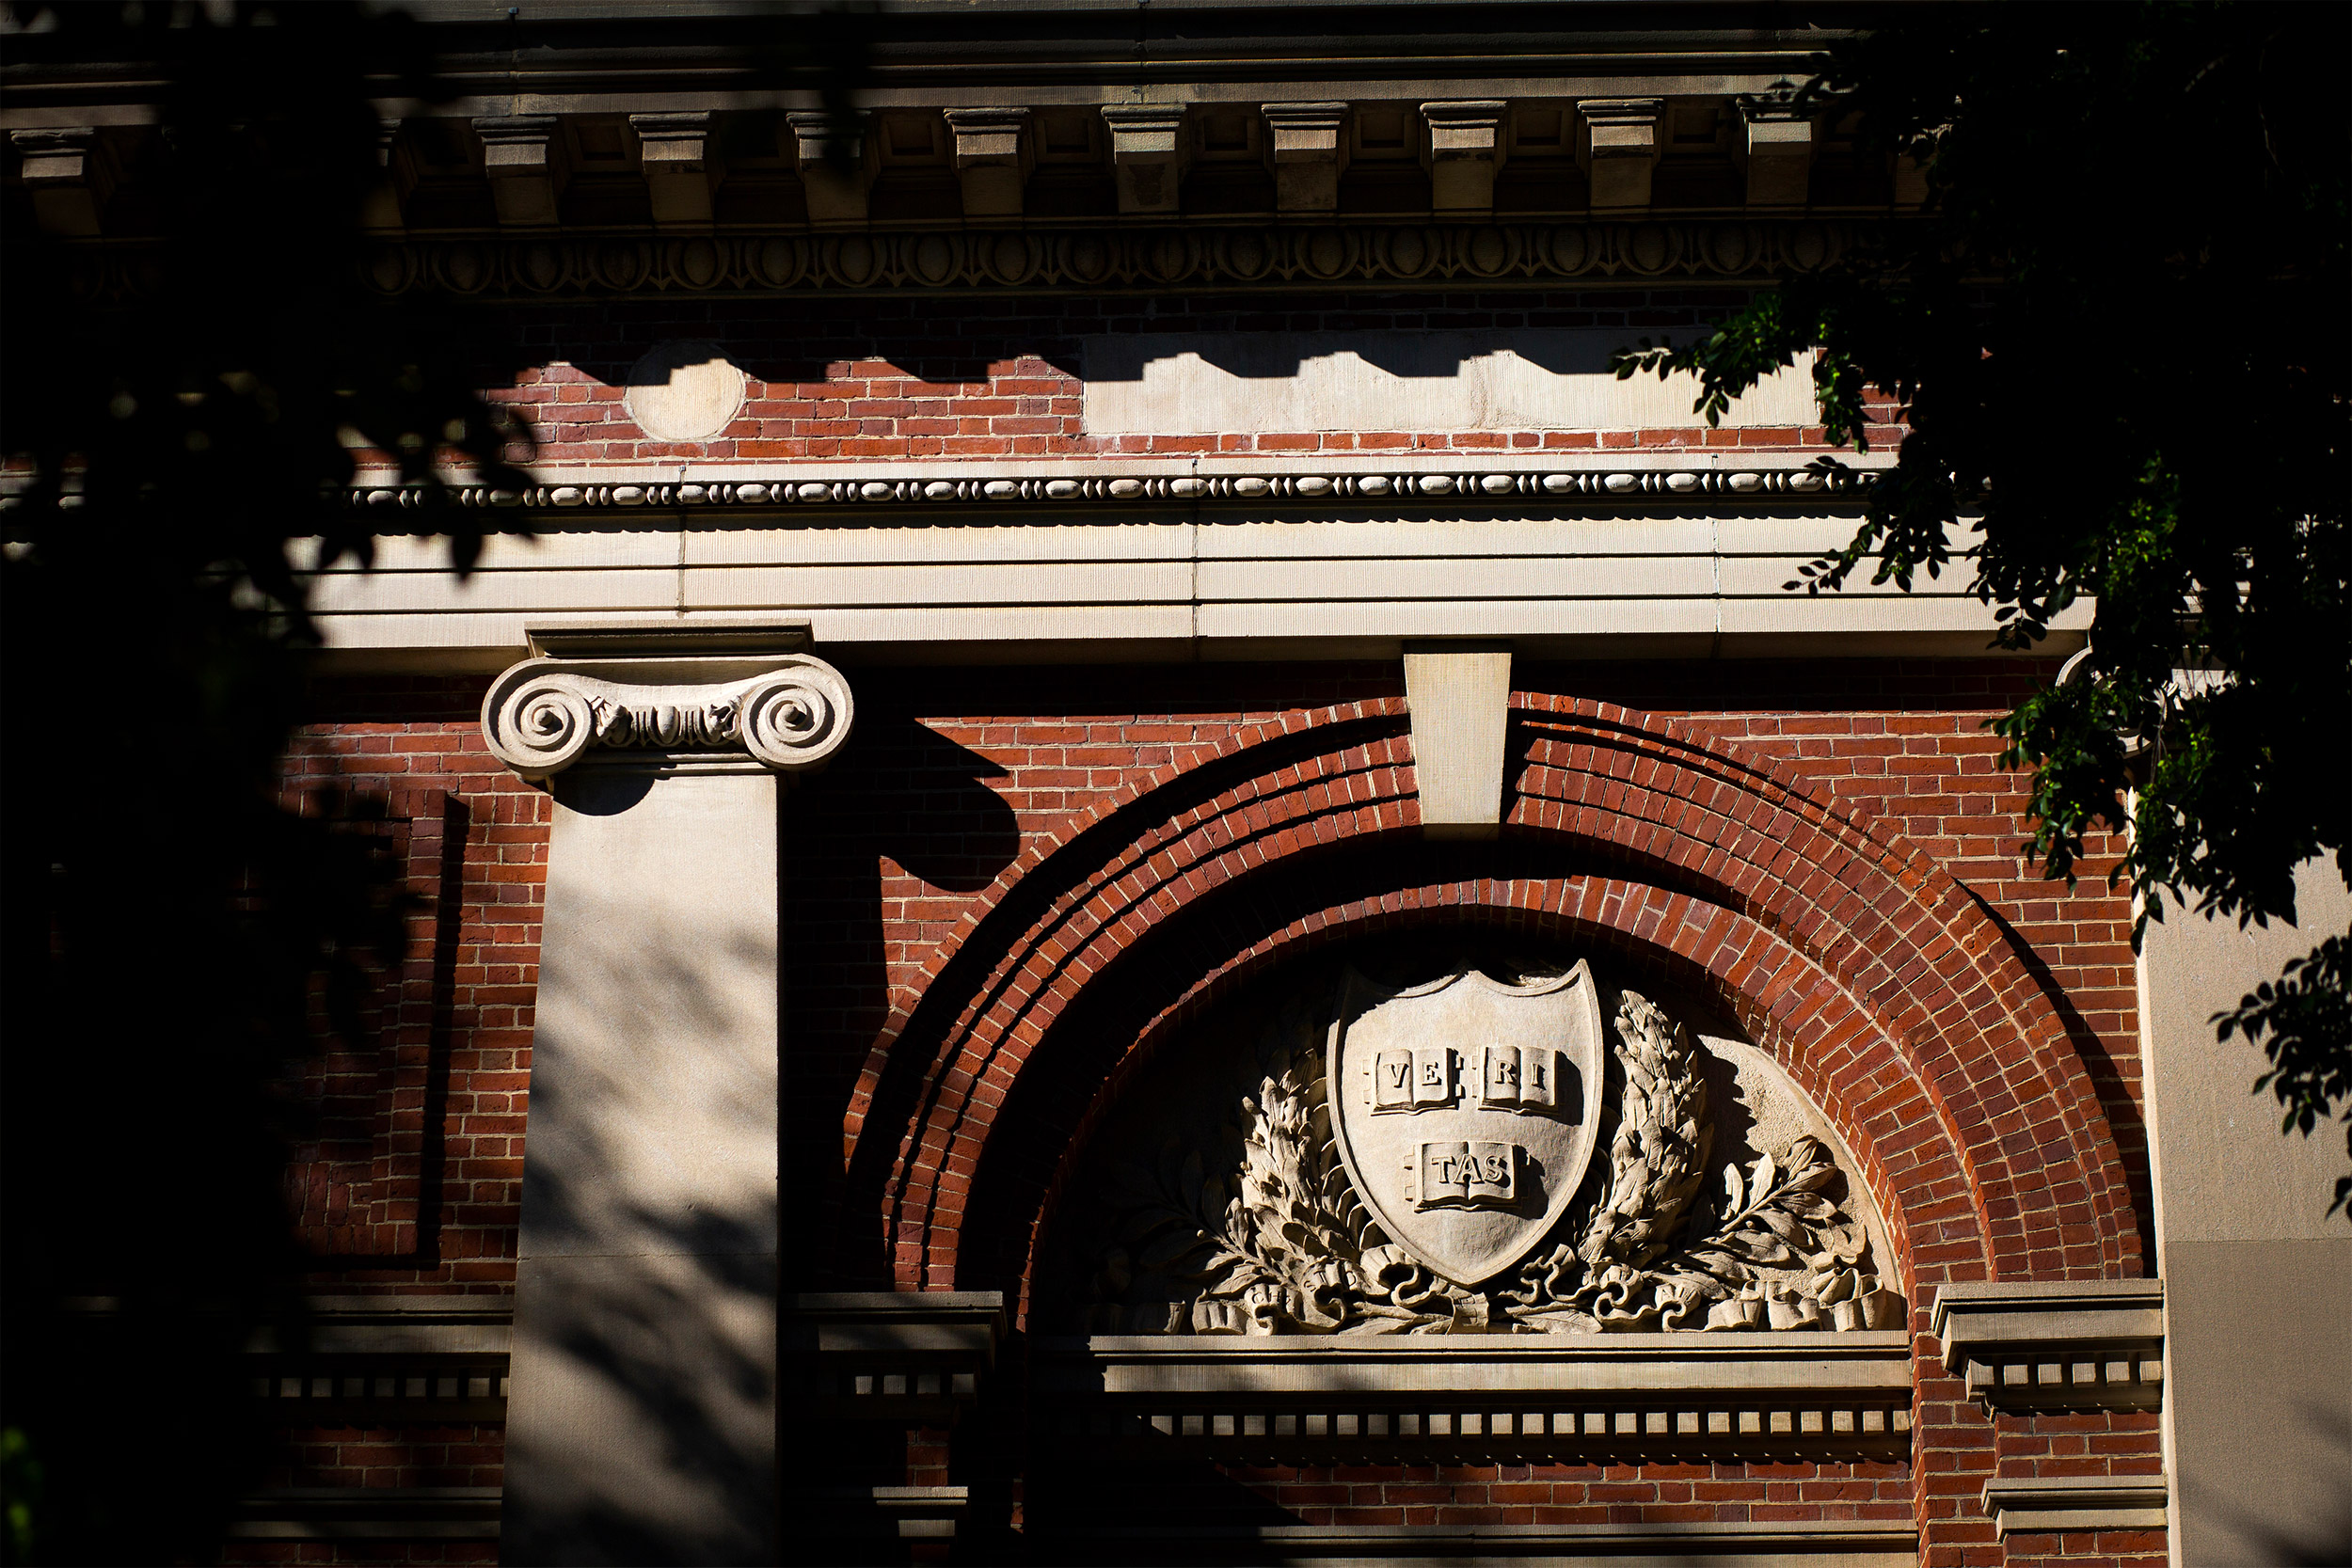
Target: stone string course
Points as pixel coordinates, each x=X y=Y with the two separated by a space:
x=1470 y=485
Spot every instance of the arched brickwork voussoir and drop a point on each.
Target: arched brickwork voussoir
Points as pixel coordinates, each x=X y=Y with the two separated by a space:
x=1056 y=917
x=1896 y=929
x=1624 y=791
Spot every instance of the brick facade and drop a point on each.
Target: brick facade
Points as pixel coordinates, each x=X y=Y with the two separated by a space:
x=1828 y=847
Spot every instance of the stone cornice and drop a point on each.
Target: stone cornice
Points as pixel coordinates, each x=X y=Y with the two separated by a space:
x=2049 y=1505
x=893 y=1355
x=2095 y=1345
x=698 y=708
x=1608 y=1395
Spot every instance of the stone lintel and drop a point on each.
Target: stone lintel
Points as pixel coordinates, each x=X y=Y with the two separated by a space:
x=1150 y=152
x=1619 y=148
x=1588 y=1395
x=995 y=154
x=1864 y=1363
x=1308 y=149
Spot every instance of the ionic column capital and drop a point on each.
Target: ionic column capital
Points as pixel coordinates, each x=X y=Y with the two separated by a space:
x=617 y=697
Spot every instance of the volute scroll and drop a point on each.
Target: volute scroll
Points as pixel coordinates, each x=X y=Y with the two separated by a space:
x=545 y=715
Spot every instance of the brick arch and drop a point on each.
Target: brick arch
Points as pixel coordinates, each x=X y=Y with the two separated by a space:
x=1638 y=935
x=1642 y=802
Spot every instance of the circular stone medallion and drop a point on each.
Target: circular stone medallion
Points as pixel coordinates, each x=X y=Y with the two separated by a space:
x=684 y=391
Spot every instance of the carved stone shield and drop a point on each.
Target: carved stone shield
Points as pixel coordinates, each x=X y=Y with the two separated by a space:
x=1466 y=1111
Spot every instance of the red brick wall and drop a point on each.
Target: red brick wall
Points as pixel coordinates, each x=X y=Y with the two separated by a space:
x=389 y=1457
x=996 y=378
x=1584 y=1494
x=384 y=1199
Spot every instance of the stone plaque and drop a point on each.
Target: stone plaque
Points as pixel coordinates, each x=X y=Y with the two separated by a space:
x=1463 y=1111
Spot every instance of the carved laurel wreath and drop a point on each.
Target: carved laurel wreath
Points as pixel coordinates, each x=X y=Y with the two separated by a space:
x=1258 y=1229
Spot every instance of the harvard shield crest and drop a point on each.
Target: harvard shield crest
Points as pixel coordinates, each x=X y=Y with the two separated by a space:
x=1465 y=1110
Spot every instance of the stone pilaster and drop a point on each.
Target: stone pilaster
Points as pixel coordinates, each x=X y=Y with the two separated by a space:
x=641 y=1420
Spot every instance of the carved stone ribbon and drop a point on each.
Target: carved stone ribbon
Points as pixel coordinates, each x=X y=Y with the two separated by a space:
x=543 y=715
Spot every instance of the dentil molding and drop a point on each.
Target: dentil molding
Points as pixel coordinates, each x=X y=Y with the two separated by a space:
x=648 y=695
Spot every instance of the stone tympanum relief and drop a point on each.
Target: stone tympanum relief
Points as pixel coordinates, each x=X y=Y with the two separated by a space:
x=1473 y=1154
x=1458 y=1108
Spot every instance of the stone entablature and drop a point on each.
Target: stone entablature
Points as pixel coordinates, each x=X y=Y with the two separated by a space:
x=1461 y=149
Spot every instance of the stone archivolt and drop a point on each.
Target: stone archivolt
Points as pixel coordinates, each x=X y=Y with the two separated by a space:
x=1255 y=1226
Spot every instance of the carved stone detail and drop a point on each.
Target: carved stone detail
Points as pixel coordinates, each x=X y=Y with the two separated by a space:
x=960 y=484
x=1264 y=1228
x=543 y=715
x=1508 y=253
